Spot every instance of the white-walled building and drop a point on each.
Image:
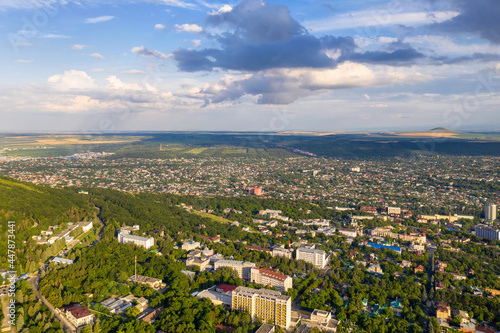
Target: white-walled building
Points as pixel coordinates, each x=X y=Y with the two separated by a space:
x=316 y=257
x=126 y=238
x=243 y=268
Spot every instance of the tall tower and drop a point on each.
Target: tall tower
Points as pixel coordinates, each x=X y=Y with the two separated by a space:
x=490 y=212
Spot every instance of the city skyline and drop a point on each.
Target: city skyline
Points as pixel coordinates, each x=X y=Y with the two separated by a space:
x=88 y=66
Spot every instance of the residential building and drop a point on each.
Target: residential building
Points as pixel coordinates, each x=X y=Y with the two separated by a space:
x=375 y=269
x=152 y=282
x=443 y=311
x=190 y=245
x=151 y=315
x=485 y=231
x=268 y=305
x=316 y=257
x=269 y=277
x=78 y=315
x=201 y=262
x=490 y=212
x=279 y=250
x=393 y=211
x=86 y=226
x=348 y=232
x=243 y=268
x=126 y=238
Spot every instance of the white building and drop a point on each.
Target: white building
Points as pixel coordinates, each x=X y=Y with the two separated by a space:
x=348 y=232
x=243 y=268
x=490 y=212
x=125 y=238
x=86 y=226
x=316 y=257
x=190 y=245
x=269 y=277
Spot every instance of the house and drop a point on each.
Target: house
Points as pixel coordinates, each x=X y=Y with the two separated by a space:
x=321 y=317
x=375 y=269
x=419 y=269
x=78 y=315
x=151 y=315
x=440 y=285
x=443 y=311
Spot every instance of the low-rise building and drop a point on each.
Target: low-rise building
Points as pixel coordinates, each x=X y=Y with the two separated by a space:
x=280 y=250
x=190 y=245
x=78 y=315
x=269 y=277
x=443 y=311
x=152 y=282
x=126 y=238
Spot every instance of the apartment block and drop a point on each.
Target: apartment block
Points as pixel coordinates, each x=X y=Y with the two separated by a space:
x=268 y=305
x=269 y=277
x=243 y=268
x=279 y=250
x=126 y=238
x=485 y=231
x=316 y=257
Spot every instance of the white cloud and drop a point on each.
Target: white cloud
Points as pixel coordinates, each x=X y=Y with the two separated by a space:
x=24 y=61
x=97 y=69
x=373 y=18
x=196 y=42
x=224 y=9
x=54 y=36
x=99 y=19
x=178 y=3
x=284 y=86
x=133 y=71
x=97 y=55
x=188 y=28
x=160 y=26
x=71 y=80
x=79 y=47
x=147 y=53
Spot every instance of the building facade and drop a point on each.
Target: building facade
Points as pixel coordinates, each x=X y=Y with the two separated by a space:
x=268 y=305
x=490 y=212
x=243 y=268
x=79 y=315
x=485 y=231
x=125 y=238
x=316 y=257
x=269 y=277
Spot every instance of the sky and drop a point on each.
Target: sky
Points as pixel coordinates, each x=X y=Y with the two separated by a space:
x=311 y=65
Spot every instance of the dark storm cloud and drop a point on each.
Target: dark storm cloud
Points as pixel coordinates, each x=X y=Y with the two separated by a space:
x=394 y=54
x=259 y=22
x=237 y=54
x=480 y=17
x=264 y=36
x=483 y=57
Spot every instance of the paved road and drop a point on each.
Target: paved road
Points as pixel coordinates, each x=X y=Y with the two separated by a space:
x=67 y=326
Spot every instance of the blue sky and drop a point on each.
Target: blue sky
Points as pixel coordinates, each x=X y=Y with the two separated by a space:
x=97 y=66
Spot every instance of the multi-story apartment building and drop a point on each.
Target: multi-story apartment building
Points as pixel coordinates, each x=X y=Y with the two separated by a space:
x=485 y=231
x=316 y=257
x=348 y=232
x=269 y=277
x=279 y=250
x=241 y=267
x=268 y=305
x=490 y=212
x=126 y=238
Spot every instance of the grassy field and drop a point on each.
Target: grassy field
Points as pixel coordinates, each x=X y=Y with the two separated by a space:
x=5 y=183
x=212 y=217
